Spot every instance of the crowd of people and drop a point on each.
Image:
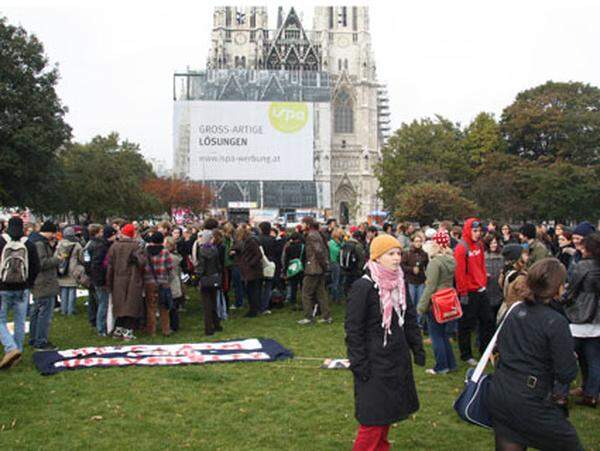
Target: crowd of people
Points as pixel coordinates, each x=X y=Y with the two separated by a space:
x=136 y=273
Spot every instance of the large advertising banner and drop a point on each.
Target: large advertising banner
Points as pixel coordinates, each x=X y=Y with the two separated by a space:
x=251 y=140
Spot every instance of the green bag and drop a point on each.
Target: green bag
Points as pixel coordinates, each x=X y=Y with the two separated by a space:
x=295 y=266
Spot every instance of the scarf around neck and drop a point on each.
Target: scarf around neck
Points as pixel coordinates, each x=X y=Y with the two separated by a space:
x=392 y=295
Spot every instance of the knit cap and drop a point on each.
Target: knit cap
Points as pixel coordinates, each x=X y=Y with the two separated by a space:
x=584 y=229
x=128 y=230
x=441 y=238
x=383 y=243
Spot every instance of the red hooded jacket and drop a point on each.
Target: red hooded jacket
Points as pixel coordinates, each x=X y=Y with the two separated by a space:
x=471 y=276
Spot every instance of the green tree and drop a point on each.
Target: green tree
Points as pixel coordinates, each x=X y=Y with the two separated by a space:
x=501 y=187
x=427 y=202
x=483 y=138
x=105 y=178
x=422 y=150
x=32 y=126
x=560 y=121
x=564 y=191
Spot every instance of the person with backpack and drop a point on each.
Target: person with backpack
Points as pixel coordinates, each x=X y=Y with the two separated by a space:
x=19 y=266
x=99 y=265
x=45 y=289
x=71 y=253
x=352 y=259
x=471 y=281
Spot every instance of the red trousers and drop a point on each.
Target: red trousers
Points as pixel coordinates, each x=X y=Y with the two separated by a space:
x=372 y=438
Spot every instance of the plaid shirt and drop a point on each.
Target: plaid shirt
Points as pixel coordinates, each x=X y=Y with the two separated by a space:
x=162 y=263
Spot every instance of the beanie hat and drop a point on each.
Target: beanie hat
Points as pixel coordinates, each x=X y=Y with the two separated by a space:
x=128 y=230
x=205 y=236
x=442 y=239
x=353 y=229
x=108 y=232
x=528 y=230
x=68 y=232
x=512 y=252
x=383 y=243
x=584 y=229
x=49 y=227
x=156 y=238
x=15 y=228
x=429 y=233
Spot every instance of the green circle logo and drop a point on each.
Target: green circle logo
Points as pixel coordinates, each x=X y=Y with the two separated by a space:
x=288 y=117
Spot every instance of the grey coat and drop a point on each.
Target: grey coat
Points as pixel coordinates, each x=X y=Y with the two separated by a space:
x=46 y=282
x=75 y=250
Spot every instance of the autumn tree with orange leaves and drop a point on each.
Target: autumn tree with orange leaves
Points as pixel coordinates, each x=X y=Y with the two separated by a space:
x=176 y=193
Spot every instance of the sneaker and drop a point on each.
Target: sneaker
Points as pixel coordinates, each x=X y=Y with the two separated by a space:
x=46 y=347
x=118 y=332
x=472 y=362
x=434 y=372
x=266 y=312
x=327 y=321
x=128 y=335
x=102 y=334
x=232 y=307
x=9 y=359
x=304 y=321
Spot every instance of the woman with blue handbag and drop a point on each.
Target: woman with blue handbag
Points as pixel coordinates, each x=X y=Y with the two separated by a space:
x=536 y=348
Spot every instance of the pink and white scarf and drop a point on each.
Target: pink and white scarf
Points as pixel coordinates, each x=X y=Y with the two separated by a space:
x=392 y=295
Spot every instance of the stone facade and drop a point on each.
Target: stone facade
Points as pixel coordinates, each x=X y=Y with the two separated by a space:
x=331 y=65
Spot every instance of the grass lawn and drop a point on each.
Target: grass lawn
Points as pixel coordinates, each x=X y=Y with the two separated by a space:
x=281 y=405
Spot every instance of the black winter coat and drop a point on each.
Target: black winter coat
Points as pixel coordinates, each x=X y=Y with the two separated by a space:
x=97 y=270
x=536 y=349
x=384 y=387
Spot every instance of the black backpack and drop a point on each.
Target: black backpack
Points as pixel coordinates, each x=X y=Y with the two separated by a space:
x=348 y=257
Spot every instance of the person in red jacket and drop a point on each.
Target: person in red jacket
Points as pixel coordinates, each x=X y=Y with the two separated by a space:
x=471 y=279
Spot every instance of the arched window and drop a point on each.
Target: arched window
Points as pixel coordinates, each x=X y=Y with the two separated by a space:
x=343 y=113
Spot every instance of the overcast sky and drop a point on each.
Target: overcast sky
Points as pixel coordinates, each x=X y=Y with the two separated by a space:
x=454 y=58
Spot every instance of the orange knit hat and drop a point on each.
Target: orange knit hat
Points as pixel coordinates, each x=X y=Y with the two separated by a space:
x=383 y=243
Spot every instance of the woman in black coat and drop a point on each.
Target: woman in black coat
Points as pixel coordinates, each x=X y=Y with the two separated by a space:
x=536 y=349
x=384 y=387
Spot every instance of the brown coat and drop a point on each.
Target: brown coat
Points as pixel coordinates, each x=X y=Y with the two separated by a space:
x=317 y=254
x=250 y=259
x=124 y=277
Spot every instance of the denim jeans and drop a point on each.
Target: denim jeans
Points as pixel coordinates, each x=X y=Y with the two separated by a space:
x=92 y=306
x=335 y=289
x=102 y=302
x=415 y=292
x=588 y=352
x=17 y=300
x=238 y=286
x=68 y=295
x=292 y=289
x=442 y=349
x=265 y=294
x=41 y=317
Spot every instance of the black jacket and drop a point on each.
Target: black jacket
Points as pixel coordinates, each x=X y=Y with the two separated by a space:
x=384 y=387
x=34 y=267
x=208 y=261
x=98 y=252
x=536 y=349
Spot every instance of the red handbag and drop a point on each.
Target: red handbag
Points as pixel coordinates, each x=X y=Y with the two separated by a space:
x=446 y=305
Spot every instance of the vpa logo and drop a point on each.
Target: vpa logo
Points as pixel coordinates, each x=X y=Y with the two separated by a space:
x=288 y=117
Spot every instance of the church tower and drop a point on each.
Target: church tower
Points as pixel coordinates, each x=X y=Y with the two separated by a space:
x=343 y=33
x=238 y=37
